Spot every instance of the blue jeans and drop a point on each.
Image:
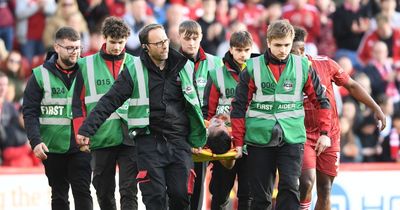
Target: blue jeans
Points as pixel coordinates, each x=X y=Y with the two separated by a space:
x=7 y=35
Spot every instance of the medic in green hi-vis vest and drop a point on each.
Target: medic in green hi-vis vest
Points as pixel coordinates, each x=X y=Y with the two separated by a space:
x=110 y=145
x=55 y=119
x=219 y=92
x=98 y=80
x=48 y=123
x=190 y=36
x=268 y=115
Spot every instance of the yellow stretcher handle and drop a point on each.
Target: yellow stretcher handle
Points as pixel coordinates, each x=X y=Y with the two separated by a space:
x=207 y=155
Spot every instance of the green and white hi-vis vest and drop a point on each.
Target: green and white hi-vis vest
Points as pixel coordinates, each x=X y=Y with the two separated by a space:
x=56 y=114
x=98 y=81
x=226 y=86
x=277 y=101
x=139 y=109
x=211 y=62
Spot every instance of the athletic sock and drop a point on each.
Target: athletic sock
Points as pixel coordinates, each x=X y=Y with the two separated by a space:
x=305 y=205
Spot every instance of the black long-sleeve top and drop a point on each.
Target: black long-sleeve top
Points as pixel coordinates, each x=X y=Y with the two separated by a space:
x=167 y=103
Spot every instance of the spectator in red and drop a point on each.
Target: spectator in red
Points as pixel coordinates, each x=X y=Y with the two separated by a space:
x=222 y=13
x=385 y=33
x=380 y=71
x=305 y=15
x=31 y=15
x=7 y=23
x=326 y=44
x=116 y=7
x=252 y=14
x=195 y=9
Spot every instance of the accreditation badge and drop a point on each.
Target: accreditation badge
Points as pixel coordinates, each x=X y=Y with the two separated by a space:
x=288 y=85
x=201 y=82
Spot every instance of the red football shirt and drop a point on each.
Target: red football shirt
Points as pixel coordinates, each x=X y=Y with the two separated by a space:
x=328 y=71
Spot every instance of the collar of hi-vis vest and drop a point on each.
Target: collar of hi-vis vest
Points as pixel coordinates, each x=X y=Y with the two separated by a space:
x=260 y=97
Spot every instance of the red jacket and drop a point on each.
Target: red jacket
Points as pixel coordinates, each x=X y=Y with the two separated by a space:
x=368 y=41
x=328 y=71
x=306 y=17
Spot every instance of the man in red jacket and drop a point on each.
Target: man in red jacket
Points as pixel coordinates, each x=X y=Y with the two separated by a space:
x=324 y=165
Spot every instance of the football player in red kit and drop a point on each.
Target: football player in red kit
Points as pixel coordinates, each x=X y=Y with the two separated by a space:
x=321 y=162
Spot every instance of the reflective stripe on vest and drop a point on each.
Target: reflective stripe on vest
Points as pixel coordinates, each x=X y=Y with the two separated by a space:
x=54 y=121
x=189 y=71
x=281 y=115
x=47 y=99
x=210 y=62
x=94 y=97
x=92 y=86
x=221 y=83
x=143 y=99
x=259 y=97
x=138 y=121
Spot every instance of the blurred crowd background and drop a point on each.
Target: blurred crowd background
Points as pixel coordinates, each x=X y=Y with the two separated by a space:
x=363 y=36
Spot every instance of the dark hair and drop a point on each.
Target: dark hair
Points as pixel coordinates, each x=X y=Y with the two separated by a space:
x=241 y=39
x=144 y=32
x=219 y=142
x=300 y=34
x=67 y=32
x=115 y=28
x=190 y=27
x=279 y=29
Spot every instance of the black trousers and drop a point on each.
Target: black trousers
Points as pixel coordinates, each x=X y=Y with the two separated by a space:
x=222 y=181
x=105 y=162
x=196 y=200
x=263 y=163
x=63 y=170
x=164 y=169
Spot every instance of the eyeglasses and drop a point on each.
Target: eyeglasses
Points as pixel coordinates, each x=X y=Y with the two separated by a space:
x=71 y=50
x=160 y=43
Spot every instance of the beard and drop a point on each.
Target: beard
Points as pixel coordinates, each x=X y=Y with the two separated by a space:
x=67 y=61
